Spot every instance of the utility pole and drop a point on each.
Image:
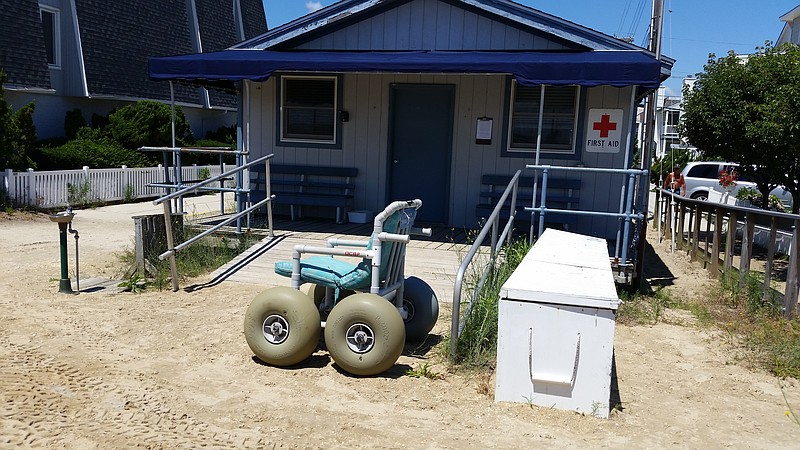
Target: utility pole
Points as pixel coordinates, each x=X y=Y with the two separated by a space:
x=656 y=22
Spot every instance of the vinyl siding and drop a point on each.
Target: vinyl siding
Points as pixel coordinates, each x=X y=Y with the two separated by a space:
x=431 y=25
x=365 y=141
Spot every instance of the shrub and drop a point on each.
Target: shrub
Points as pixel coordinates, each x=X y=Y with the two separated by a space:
x=662 y=166
x=754 y=197
x=17 y=134
x=93 y=153
x=223 y=134
x=147 y=123
x=73 y=122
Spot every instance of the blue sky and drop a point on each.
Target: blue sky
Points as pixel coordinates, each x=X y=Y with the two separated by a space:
x=692 y=30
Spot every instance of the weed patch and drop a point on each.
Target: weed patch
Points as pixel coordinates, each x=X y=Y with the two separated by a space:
x=477 y=346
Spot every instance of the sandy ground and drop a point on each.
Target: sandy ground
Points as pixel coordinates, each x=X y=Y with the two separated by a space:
x=172 y=370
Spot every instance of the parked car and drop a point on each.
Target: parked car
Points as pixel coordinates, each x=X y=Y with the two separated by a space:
x=700 y=176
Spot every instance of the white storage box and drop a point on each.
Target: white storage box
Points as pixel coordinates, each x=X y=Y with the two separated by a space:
x=556 y=326
x=359 y=216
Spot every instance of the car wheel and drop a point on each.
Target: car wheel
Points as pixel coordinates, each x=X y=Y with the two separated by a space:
x=701 y=195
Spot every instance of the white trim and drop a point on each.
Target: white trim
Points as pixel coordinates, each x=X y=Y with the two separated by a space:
x=335 y=79
x=538 y=147
x=56 y=13
x=238 y=19
x=79 y=49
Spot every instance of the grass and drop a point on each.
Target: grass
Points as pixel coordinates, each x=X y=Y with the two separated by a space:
x=477 y=346
x=200 y=258
x=424 y=371
x=640 y=309
x=754 y=325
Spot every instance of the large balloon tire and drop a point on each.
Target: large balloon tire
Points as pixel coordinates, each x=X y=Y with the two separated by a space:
x=296 y=318
x=372 y=317
x=422 y=307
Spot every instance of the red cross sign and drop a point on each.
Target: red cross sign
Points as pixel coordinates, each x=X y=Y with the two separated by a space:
x=604 y=131
x=604 y=126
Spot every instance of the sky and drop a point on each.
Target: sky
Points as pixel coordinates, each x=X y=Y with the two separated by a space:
x=691 y=30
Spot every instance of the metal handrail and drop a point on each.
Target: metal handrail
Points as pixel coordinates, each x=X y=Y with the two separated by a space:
x=492 y=223
x=627 y=215
x=194 y=187
x=172 y=249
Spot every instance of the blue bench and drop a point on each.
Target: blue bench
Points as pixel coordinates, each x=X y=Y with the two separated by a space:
x=300 y=185
x=562 y=193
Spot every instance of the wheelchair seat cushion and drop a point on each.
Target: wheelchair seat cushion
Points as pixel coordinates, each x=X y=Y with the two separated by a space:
x=329 y=272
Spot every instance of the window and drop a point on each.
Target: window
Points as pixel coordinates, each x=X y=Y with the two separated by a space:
x=308 y=109
x=559 y=118
x=52 y=42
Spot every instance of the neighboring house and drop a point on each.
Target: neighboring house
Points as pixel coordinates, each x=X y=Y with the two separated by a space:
x=92 y=54
x=669 y=110
x=791 y=31
x=398 y=88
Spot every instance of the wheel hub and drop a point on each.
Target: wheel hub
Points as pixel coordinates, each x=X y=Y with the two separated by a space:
x=276 y=329
x=360 y=338
x=410 y=311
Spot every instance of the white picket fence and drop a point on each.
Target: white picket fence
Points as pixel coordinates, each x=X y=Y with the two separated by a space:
x=51 y=189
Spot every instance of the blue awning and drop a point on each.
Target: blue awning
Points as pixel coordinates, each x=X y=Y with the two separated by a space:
x=590 y=68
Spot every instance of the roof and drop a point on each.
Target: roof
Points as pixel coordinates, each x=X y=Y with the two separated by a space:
x=115 y=54
x=347 y=12
x=22 y=53
x=112 y=45
x=580 y=55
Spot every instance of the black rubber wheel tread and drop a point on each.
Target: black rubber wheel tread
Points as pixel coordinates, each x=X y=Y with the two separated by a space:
x=423 y=309
x=382 y=317
x=302 y=317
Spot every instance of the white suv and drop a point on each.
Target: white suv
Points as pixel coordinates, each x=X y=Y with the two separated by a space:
x=701 y=176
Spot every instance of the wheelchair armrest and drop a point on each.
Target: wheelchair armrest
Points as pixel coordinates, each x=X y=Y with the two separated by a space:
x=335 y=242
x=391 y=237
x=299 y=250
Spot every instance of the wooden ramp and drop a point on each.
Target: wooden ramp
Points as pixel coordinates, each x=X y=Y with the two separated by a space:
x=435 y=259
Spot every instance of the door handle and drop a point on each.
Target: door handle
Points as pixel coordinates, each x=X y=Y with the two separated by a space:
x=395 y=161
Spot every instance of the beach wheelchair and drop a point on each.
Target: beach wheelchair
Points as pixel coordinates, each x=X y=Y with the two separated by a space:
x=367 y=308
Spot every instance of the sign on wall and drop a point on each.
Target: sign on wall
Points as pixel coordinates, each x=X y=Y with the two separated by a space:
x=604 y=134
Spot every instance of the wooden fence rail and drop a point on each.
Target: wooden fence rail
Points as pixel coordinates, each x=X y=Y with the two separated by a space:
x=53 y=189
x=718 y=234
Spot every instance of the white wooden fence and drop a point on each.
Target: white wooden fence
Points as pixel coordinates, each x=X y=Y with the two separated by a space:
x=50 y=189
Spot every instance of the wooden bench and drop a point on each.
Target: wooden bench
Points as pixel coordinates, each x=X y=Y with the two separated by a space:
x=297 y=185
x=562 y=193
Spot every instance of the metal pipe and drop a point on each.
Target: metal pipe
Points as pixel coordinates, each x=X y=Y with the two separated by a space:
x=455 y=329
x=77 y=260
x=207 y=181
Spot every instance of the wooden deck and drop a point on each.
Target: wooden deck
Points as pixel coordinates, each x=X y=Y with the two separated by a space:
x=434 y=259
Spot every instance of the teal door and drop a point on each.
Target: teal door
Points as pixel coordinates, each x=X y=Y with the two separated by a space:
x=420 y=143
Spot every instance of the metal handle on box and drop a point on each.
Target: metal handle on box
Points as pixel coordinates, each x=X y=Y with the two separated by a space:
x=553 y=378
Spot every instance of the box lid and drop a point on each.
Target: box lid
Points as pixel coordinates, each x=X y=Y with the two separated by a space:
x=564 y=268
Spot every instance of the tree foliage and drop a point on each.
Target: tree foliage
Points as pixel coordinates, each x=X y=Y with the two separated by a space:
x=147 y=123
x=746 y=110
x=17 y=133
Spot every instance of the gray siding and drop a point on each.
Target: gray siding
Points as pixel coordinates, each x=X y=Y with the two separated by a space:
x=431 y=25
x=365 y=141
x=601 y=192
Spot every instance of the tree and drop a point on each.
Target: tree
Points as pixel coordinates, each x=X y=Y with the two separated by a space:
x=147 y=123
x=741 y=110
x=17 y=133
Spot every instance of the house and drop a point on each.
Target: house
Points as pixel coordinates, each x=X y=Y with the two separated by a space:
x=669 y=110
x=425 y=97
x=92 y=55
x=791 y=30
